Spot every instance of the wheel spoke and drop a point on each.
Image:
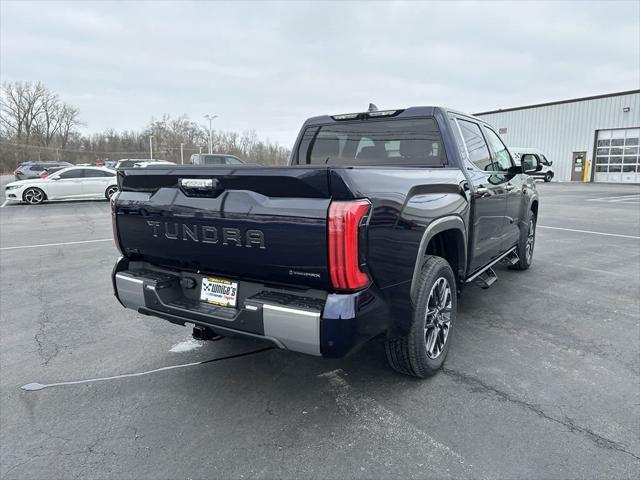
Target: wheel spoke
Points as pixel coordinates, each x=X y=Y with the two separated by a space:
x=438 y=317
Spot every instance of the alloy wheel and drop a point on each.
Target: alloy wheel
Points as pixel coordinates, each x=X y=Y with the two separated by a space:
x=111 y=191
x=438 y=317
x=33 y=196
x=531 y=240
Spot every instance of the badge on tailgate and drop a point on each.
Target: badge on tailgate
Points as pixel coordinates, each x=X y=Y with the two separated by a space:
x=219 y=291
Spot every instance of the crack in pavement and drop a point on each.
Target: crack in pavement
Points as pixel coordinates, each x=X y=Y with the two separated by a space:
x=566 y=422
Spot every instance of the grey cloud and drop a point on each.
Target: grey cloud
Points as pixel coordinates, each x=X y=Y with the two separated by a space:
x=270 y=65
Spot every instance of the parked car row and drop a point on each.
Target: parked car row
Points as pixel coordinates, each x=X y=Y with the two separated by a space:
x=66 y=184
x=40 y=181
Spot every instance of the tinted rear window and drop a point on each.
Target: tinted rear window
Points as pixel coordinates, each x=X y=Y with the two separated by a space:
x=374 y=142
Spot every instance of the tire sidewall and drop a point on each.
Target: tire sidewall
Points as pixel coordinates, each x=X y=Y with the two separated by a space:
x=106 y=192
x=524 y=262
x=434 y=268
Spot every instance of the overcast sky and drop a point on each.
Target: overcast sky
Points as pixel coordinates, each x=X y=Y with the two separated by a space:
x=268 y=66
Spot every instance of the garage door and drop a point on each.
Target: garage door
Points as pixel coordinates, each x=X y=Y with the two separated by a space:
x=617 y=158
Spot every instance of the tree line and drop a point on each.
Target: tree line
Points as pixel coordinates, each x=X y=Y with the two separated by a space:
x=36 y=124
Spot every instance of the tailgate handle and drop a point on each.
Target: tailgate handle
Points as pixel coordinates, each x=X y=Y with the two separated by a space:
x=198 y=183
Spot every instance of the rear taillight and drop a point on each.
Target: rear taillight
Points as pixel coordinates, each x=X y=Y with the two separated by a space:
x=345 y=220
x=114 y=222
x=44 y=175
x=17 y=172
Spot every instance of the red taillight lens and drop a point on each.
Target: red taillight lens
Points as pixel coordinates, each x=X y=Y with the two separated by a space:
x=43 y=175
x=17 y=172
x=344 y=256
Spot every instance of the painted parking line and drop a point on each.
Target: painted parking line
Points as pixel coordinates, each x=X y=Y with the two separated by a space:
x=591 y=232
x=4 y=203
x=631 y=198
x=19 y=247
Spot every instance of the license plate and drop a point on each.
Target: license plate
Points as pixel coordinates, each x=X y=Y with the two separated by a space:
x=219 y=291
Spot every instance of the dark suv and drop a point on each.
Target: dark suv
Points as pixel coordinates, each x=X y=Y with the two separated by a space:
x=28 y=170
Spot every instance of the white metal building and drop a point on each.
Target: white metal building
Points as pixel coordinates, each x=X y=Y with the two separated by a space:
x=573 y=133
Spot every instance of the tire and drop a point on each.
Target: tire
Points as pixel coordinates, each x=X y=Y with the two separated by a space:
x=526 y=245
x=110 y=191
x=547 y=178
x=33 y=196
x=419 y=353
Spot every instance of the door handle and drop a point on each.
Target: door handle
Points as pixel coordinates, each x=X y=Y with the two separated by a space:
x=482 y=191
x=509 y=187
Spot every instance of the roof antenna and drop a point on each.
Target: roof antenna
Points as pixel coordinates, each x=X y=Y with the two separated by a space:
x=373 y=107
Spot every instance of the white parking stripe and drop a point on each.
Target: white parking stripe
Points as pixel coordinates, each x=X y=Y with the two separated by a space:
x=4 y=203
x=589 y=231
x=631 y=198
x=57 y=244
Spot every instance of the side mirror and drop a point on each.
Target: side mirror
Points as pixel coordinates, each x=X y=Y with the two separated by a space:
x=530 y=164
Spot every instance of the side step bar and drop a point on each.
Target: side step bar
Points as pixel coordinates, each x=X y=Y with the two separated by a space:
x=486 y=279
x=486 y=276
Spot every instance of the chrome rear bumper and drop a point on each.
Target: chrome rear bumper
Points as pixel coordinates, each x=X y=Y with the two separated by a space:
x=269 y=316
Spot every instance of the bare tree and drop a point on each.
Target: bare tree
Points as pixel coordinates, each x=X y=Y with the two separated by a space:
x=68 y=121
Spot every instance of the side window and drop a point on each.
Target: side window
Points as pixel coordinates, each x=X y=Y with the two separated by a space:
x=475 y=144
x=500 y=152
x=100 y=173
x=543 y=160
x=75 y=173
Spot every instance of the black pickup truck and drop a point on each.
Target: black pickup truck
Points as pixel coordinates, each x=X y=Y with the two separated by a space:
x=372 y=230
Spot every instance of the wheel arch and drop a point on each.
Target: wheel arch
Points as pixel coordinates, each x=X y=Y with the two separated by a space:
x=445 y=237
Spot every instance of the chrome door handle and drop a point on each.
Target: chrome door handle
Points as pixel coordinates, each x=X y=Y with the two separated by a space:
x=481 y=191
x=509 y=187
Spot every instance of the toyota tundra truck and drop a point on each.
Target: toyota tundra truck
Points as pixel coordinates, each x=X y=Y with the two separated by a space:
x=371 y=231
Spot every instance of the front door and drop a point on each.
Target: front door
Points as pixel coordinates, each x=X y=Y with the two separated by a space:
x=66 y=184
x=577 y=166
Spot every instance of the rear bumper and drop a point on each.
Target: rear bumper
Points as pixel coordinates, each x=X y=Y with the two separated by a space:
x=308 y=321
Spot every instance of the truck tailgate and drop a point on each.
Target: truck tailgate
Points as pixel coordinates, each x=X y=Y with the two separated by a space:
x=253 y=223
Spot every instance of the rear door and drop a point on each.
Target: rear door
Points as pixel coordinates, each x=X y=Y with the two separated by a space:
x=96 y=182
x=490 y=196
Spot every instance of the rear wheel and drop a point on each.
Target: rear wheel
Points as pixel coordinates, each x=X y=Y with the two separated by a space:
x=548 y=177
x=422 y=351
x=33 y=196
x=111 y=191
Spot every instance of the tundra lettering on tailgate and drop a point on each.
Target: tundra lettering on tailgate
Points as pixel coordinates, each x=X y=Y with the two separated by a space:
x=207 y=234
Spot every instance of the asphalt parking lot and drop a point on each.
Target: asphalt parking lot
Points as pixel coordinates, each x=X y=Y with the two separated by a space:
x=542 y=379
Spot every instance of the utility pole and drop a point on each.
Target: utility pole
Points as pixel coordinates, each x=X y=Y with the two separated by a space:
x=181 y=153
x=200 y=148
x=210 y=118
x=150 y=147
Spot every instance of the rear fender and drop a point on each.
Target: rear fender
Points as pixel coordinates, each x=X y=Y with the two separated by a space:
x=450 y=222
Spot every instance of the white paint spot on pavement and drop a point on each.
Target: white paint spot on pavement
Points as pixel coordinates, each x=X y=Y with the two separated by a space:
x=187 y=346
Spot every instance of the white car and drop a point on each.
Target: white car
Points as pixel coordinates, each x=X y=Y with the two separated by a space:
x=151 y=163
x=72 y=183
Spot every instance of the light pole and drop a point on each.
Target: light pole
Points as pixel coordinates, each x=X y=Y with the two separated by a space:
x=181 y=153
x=150 y=147
x=210 y=118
